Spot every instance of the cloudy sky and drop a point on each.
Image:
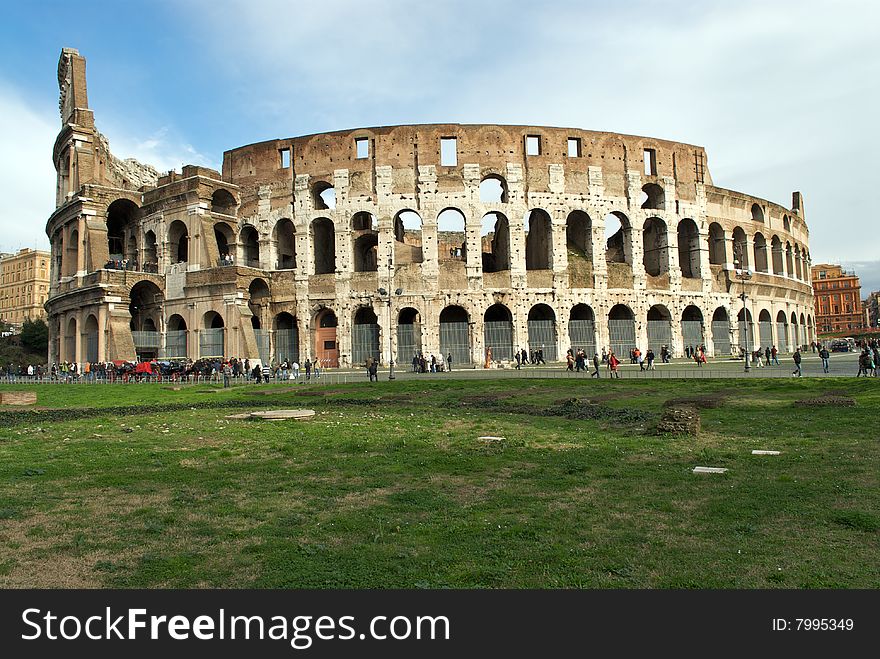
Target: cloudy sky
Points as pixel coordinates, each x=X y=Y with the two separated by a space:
x=783 y=95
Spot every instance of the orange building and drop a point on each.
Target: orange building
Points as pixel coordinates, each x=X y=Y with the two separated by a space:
x=24 y=286
x=838 y=299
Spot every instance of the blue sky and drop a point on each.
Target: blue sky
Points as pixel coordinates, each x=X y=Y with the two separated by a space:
x=783 y=95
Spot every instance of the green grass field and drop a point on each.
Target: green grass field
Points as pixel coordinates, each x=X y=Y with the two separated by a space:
x=388 y=486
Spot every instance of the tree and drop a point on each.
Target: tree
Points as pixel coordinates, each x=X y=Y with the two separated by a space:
x=35 y=336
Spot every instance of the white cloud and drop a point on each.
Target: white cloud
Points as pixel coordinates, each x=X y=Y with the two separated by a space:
x=27 y=176
x=161 y=149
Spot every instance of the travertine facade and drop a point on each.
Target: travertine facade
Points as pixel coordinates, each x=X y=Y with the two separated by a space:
x=479 y=237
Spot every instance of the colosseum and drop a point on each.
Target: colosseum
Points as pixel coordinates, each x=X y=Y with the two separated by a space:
x=445 y=239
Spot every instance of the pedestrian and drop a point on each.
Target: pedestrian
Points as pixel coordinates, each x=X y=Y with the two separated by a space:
x=308 y=366
x=374 y=371
x=797 y=362
x=649 y=357
x=517 y=361
x=449 y=361
x=774 y=354
x=823 y=355
x=613 y=363
x=595 y=373
x=295 y=368
x=227 y=374
x=267 y=373
x=640 y=358
x=369 y=366
x=767 y=355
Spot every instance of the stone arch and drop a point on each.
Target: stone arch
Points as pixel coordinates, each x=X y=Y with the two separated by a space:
x=776 y=250
x=493 y=189
x=659 y=327
x=286 y=329
x=539 y=240
x=323 y=196
x=455 y=335
x=760 y=244
x=71 y=254
x=123 y=218
x=582 y=329
x=789 y=262
x=364 y=336
x=259 y=299
x=365 y=246
x=495 y=241
x=409 y=334
x=178 y=241
x=223 y=202
x=692 y=334
x=618 y=238
x=782 y=330
x=224 y=236
x=621 y=330
x=721 y=332
x=176 y=337
x=689 y=249
x=740 y=249
x=798 y=262
x=249 y=240
x=324 y=245
x=579 y=234
x=765 y=329
x=91 y=332
x=451 y=236
x=541 y=325
x=408 y=245
x=212 y=335
x=656 y=247
x=786 y=223
x=145 y=306
x=757 y=213
x=326 y=345
x=70 y=340
x=653 y=197
x=151 y=252
x=285 y=244
x=746 y=326
x=717 y=254
x=498 y=332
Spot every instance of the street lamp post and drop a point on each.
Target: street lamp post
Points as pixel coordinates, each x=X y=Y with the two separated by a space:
x=383 y=293
x=744 y=276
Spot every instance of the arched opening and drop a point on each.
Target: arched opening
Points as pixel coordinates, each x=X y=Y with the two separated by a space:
x=70 y=341
x=655 y=244
x=175 y=337
x=211 y=336
x=495 y=242
x=285 y=244
x=782 y=331
x=493 y=189
x=776 y=248
x=740 y=249
x=789 y=262
x=582 y=329
x=786 y=223
x=618 y=238
x=178 y=241
x=326 y=345
x=621 y=330
x=151 y=253
x=122 y=229
x=721 y=332
x=689 y=249
x=803 y=327
x=408 y=238
x=250 y=246
x=542 y=332
x=692 y=327
x=409 y=334
x=225 y=239
x=286 y=338
x=653 y=197
x=324 y=244
x=579 y=235
x=811 y=336
x=451 y=238
x=145 y=308
x=539 y=240
x=757 y=213
x=323 y=196
x=760 y=253
x=716 y=244
x=455 y=336
x=746 y=329
x=72 y=254
x=223 y=202
x=498 y=332
x=797 y=262
x=659 y=327
x=795 y=331
x=259 y=298
x=91 y=328
x=366 y=242
x=765 y=329
x=365 y=336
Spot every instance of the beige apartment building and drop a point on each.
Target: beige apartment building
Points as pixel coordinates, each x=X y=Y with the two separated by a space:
x=24 y=286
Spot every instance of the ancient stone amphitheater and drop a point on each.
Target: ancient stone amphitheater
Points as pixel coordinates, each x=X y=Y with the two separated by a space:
x=386 y=242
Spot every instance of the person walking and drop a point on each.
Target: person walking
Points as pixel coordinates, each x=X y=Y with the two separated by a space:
x=823 y=355
x=613 y=363
x=308 y=366
x=797 y=362
x=595 y=373
x=774 y=354
x=649 y=357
